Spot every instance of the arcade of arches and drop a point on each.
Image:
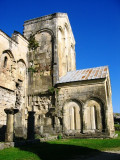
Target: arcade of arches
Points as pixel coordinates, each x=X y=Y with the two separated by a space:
x=91 y=114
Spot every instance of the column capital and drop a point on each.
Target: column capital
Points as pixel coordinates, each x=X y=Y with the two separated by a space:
x=31 y=113
x=11 y=110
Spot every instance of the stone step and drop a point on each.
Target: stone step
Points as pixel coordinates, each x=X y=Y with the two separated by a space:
x=96 y=135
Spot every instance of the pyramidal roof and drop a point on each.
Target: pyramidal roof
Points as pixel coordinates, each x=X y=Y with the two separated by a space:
x=85 y=74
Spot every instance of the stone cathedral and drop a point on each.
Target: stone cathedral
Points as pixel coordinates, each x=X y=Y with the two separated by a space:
x=45 y=85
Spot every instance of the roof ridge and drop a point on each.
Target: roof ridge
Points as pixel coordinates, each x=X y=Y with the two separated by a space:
x=90 y=68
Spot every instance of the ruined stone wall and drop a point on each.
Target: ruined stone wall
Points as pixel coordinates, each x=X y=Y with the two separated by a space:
x=42 y=78
x=42 y=105
x=7 y=100
x=45 y=58
x=55 y=55
x=13 y=73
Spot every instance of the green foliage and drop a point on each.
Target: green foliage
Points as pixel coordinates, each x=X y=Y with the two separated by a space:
x=37 y=136
x=33 y=44
x=59 y=136
x=117 y=114
x=31 y=69
x=117 y=127
x=53 y=90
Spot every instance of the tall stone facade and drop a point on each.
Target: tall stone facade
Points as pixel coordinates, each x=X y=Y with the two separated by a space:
x=61 y=99
x=13 y=77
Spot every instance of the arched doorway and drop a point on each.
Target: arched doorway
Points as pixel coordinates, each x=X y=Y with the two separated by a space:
x=72 y=117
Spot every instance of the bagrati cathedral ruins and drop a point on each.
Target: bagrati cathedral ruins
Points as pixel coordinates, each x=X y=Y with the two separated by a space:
x=41 y=92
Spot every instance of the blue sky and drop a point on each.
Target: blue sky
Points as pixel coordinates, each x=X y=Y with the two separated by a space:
x=95 y=25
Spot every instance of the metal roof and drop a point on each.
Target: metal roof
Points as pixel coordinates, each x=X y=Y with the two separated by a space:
x=85 y=74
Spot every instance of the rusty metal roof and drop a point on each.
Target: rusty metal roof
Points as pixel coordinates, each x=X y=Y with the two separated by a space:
x=85 y=74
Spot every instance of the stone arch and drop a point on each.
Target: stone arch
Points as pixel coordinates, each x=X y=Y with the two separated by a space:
x=21 y=84
x=20 y=97
x=21 y=68
x=8 y=63
x=61 y=29
x=9 y=52
x=51 y=33
x=72 y=56
x=67 y=47
x=66 y=26
x=72 y=116
x=53 y=55
x=45 y=38
x=21 y=60
x=61 y=49
x=46 y=30
x=42 y=60
x=66 y=36
x=60 y=35
x=94 y=115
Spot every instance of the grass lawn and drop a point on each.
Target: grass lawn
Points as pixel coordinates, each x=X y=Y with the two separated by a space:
x=61 y=149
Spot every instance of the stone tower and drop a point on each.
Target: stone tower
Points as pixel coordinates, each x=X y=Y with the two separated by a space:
x=55 y=55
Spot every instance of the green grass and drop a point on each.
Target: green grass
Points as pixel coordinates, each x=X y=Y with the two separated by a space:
x=17 y=154
x=99 y=144
x=61 y=149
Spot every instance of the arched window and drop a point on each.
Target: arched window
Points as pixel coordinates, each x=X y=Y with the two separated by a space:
x=94 y=115
x=5 y=62
x=72 y=118
x=91 y=118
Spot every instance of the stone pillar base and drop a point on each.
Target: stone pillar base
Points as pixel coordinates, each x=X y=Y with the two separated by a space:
x=9 y=137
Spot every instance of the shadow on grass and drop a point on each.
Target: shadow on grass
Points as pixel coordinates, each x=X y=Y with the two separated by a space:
x=47 y=151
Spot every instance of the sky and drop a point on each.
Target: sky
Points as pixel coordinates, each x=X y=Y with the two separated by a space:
x=95 y=25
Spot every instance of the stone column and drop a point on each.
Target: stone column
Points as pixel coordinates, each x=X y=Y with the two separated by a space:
x=93 y=125
x=10 y=121
x=84 y=129
x=64 y=128
x=107 y=129
x=78 y=119
x=72 y=119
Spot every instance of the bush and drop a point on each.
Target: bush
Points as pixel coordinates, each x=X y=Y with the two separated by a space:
x=117 y=127
x=31 y=69
x=59 y=136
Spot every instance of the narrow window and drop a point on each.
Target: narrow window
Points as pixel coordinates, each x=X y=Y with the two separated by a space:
x=5 y=62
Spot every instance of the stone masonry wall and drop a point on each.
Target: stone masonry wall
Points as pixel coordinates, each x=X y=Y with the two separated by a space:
x=61 y=48
x=82 y=93
x=13 y=73
x=7 y=100
x=42 y=106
